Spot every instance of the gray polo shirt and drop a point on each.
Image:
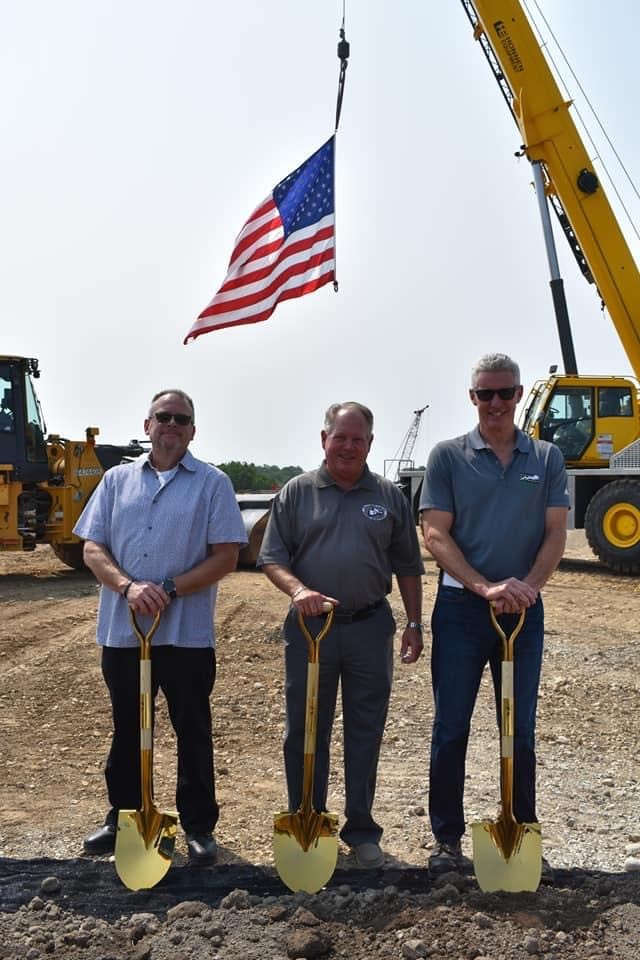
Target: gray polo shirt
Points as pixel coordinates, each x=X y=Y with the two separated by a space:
x=155 y=530
x=499 y=512
x=343 y=543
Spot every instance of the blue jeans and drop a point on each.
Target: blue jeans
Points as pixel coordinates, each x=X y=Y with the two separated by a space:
x=464 y=641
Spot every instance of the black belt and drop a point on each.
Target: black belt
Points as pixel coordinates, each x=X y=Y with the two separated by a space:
x=344 y=616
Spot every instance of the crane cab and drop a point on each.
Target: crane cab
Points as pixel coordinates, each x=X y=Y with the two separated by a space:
x=588 y=418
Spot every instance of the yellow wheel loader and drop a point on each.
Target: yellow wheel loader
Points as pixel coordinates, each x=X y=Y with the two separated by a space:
x=45 y=480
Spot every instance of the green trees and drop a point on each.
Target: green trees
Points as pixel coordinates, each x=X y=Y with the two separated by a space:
x=250 y=478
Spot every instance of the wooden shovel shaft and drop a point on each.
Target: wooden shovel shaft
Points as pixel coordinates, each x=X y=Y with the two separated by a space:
x=507 y=714
x=311 y=708
x=310 y=735
x=506 y=740
x=146 y=713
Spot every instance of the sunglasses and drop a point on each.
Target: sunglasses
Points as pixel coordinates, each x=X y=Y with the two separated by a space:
x=505 y=393
x=182 y=419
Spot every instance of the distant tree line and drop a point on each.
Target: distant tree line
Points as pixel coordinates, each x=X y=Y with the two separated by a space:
x=250 y=478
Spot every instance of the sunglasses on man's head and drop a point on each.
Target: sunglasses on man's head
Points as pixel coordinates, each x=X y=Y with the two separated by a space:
x=505 y=393
x=182 y=419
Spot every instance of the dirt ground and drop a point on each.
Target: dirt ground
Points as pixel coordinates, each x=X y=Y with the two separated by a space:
x=54 y=729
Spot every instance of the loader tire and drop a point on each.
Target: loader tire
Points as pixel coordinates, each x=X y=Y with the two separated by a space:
x=612 y=525
x=69 y=553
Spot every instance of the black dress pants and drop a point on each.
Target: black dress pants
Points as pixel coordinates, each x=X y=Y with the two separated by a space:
x=186 y=677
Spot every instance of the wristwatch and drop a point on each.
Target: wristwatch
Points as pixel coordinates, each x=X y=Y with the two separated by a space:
x=169 y=587
x=414 y=625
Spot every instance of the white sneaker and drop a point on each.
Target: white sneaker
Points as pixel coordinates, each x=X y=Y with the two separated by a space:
x=368 y=855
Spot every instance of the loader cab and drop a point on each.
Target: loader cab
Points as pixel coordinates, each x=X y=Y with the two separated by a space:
x=22 y=429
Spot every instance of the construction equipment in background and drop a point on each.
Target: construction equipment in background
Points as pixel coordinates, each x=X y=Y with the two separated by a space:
x=594 y=420
x=402 y=459
x=45 y=481
x=254 y=509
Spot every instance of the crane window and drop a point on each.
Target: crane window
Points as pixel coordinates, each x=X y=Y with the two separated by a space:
x=614 y=402
x=568 y=420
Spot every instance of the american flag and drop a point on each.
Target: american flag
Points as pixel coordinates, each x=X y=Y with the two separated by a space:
x=284 y=250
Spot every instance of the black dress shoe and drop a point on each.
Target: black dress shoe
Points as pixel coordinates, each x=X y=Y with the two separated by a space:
x=203 y=848
x=102 y=841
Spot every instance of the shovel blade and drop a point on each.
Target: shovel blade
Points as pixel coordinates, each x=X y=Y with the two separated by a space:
x=141 y=863
x=518 y=870
x=309 y=870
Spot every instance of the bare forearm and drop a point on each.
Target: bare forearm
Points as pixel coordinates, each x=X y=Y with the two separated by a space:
x=448 y=555
x=410 y=588
x=306 y=600
x=103 y=566
x=509 y=595
x=283 y=578
x=412 y=643
x=548 y=557
x=222 y=559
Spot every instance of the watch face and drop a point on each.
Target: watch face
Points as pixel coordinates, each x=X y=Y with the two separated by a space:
x=169 y=587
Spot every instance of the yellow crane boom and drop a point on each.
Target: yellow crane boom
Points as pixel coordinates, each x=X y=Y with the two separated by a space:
x=549 y=135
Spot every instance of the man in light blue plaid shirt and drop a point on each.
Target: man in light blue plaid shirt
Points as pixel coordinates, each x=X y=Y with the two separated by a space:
x=159 y=534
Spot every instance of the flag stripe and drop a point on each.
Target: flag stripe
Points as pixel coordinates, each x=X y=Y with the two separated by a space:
x=261 y=267
x=270 y=225
x=232 y=301
x=252 y=315
x=285 y=249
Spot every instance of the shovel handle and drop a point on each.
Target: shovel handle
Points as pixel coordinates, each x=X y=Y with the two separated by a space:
x=311 y=705
x=146 y=709
x=313 y=643
x=507 y=641
x=144 y=638
x=507 y=714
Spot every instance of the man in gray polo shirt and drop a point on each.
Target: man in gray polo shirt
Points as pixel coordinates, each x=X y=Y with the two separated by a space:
x=337 y=534
x=494 y=515
x=160 y=533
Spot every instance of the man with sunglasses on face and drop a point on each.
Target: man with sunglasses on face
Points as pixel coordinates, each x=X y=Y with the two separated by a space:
x=494 y=516
x=159 y=534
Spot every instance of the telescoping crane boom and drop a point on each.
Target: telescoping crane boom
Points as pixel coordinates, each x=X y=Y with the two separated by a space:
x=550 y=138
x=595 y=420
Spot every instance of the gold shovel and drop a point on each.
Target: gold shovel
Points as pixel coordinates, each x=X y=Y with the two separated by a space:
x=507 y=855
x=145 y=838
x=305 y=843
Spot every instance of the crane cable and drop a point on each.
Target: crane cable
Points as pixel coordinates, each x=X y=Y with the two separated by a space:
x=593 y=111
x=343 y=54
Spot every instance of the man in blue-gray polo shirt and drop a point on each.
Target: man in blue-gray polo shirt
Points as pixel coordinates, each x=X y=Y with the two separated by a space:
x=494 y=516
x=337 y=535
x=159 y=534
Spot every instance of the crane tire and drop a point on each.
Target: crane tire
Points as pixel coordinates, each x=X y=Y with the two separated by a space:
x=612 y=525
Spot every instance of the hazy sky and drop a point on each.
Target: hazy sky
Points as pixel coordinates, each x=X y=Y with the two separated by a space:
x=138 y=136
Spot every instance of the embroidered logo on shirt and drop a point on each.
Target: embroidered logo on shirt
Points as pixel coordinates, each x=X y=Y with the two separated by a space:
x=373 y=511
x=530 y=478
